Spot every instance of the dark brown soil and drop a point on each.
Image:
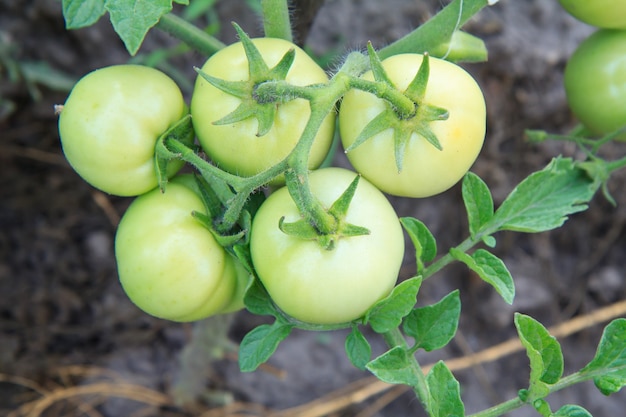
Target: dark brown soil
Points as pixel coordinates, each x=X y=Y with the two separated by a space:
x=71 y=344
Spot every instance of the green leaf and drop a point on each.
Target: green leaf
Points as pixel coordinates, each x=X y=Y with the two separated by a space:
x=259 y=344
x=610 y=359
x=437 y=30
x=132 y=19
x=545 y=199
x=387 y=314
x=490 y=269
x=434 y=326
x=394 y=367
x=444 y=393
x=258 y=301
x=423 y=241
x=544 y=353
x=478 y=202
x=82 y=13
x=570 y=410
x=358 y=348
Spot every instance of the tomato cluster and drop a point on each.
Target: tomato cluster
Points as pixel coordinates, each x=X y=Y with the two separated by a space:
x=174 y=265
x=595 y=75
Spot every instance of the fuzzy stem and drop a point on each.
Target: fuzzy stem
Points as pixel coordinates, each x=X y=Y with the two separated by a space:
x=190 y=34
x=276 y=21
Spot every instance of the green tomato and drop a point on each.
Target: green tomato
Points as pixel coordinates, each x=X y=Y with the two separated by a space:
x=110 y=123
x=236 y=147
x=609 y=14
x=169 y=264
x=426 y=171
x=595 y=81
x=322 y=286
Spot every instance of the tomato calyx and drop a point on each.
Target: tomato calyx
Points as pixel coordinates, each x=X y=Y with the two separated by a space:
x=262 y=108
x=327 y=239
x=403 y=123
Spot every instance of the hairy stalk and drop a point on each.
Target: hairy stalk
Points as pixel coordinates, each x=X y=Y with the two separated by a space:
x=190 y=34
x=276 y=22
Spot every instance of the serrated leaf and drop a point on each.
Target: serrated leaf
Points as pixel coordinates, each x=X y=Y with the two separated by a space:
x=358 y=348
x=610 y=359
x=82 y=13
x=132 y=19
x=434 y=326
x=388 y=313
x=571 y=410
x=259 y=344
x=478 y=202
x=545 y=199
x=490 y=269
x=444 y=393
x=393 y=367
x=423 y=241
x=544 y=353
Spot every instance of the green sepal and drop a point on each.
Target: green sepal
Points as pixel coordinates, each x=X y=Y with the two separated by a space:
x=181 y=131
x=263 y=109
x=403 y=125
x=302 y=229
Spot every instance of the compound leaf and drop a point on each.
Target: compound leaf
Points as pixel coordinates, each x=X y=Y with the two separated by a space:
x=545 y=199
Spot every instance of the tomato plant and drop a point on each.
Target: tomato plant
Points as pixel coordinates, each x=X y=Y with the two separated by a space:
x=325 y=252
x=426 y=170
x=110 y=123
x=316 y=285
x=610 y=14
x=250 y=145
x=595 y=81
x=169 y=264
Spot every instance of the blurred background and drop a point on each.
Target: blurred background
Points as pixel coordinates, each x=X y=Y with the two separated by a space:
x=71 y=344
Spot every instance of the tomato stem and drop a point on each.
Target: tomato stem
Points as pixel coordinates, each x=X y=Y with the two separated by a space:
x=276 y=21
x=190 y=34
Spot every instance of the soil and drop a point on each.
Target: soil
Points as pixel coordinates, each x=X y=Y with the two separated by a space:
x=71 y=344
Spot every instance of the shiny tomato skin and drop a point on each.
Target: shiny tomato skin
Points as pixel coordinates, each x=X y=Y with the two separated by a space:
x=110 y=123
x=321 y=286
x=595 y=82
x=236 y=147
x=169 y=264
x=426 y=171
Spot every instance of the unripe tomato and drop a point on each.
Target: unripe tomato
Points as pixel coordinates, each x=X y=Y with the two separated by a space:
x=321 y=286
x=426 y=170
x=236 y=147
x=110 y=123
x=609 y=14
x=595 y=81
x=169 y=264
